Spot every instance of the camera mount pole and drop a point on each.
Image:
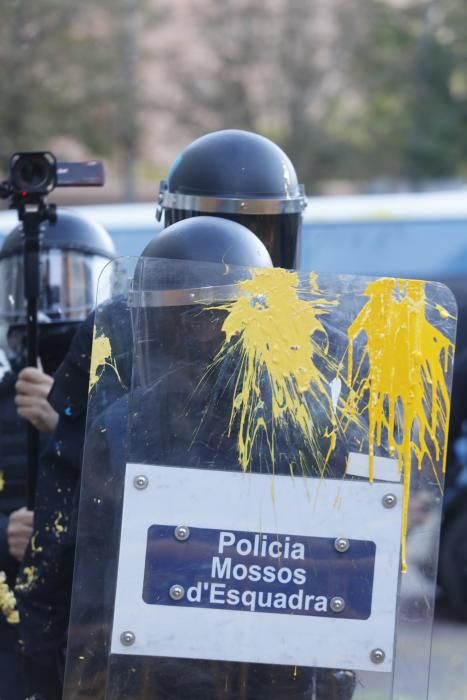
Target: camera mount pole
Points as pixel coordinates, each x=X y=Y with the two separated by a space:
x=32 y=177
x=32 y=211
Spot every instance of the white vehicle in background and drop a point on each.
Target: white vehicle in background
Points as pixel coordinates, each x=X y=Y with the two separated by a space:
x=399 y=234
x=415 y=235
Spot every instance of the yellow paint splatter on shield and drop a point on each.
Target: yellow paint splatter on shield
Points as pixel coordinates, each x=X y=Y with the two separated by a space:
x=272 y=327
x=101 y=357
x=398 y=380
x=404 y=385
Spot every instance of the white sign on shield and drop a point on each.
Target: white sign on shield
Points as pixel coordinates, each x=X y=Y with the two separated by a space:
x=258 y=568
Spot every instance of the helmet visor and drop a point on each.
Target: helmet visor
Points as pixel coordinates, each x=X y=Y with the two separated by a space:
x=68 y=284
x=280 y=233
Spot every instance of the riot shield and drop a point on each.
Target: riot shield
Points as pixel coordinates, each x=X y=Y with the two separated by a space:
x=260 y=502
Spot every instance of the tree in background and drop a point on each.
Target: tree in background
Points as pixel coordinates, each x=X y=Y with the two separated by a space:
x=354 y=90
x=437 y=105
x=261 y=67
x=304 y=71
x=218 y=81
x=407 y=65
x=68 y=74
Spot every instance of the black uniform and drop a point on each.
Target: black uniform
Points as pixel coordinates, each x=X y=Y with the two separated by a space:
x=44 y=604
x=73 y=252
x=12 y=497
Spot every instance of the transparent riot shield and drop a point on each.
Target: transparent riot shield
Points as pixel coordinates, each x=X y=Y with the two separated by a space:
x=260 y=504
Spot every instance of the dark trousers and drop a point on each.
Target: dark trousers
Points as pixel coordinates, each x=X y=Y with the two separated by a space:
x=43 y=676
x=11 y=676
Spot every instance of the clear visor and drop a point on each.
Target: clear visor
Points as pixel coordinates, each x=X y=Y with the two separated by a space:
x=68 y=285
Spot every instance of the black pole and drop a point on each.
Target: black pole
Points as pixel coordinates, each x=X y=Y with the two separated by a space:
x=31 y=225
x=32 y=215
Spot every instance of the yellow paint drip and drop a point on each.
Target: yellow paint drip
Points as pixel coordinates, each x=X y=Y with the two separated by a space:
x=13 y=617
x=58 y=528
x=30 y=573
x=35 y=549
x=100 y=358
x=8 y=601
x=272 y=328
x=405 y=381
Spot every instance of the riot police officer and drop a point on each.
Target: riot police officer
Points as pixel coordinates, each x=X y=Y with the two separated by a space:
x=152 y=425
x=73 y=252
x=241 y=176
x=233 y=174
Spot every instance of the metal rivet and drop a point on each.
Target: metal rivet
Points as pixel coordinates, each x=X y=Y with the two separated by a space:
x=140 y=482
x=176 y=592
x=182 y=533
x=389 y=500
x=377 y=656
x=341 y=544
x=127 y=638
x=337 y=604
x=258 y=300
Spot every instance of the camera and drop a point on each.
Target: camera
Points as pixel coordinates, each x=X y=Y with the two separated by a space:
x=39 y=172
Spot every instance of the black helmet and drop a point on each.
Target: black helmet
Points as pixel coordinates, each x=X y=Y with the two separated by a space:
x=241 y=176
x=74 y=251
x=224 y=247
x=189 y=262
x=211 y=240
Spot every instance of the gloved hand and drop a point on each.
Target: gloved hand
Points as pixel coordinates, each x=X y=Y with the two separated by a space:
x=19 y=531
x=32 y=389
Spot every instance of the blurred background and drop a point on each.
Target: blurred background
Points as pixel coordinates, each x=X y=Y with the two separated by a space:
x=364 y=95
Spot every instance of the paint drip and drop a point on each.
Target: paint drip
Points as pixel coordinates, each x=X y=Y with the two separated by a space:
x=101 y=357
x=404 y=385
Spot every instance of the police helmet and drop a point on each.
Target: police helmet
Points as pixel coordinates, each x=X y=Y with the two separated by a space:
x=241 y=176
x=185 y=266
x=211 y=240
x=222 y=249
x=73 y=252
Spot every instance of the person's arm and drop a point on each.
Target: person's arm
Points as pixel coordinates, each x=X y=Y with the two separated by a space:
x=19 y=531
x=32 y=389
